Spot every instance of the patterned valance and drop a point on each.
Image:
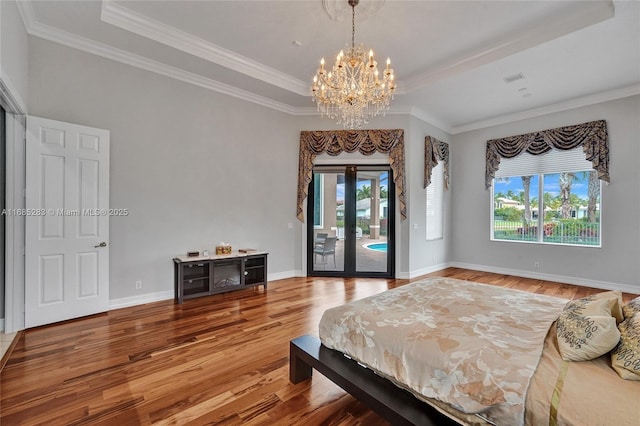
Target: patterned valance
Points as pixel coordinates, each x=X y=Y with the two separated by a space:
x=334 y=142
x=435 y=150
x=592 y=136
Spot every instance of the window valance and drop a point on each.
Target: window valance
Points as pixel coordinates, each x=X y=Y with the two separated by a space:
x=334 y=142
x=592 y=136
x=435 y=150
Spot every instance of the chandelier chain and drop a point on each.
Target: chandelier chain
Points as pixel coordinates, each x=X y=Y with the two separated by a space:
x=353 y=26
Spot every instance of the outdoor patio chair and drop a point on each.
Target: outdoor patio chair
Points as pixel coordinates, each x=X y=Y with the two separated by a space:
x=328 y=248
x=320 y=237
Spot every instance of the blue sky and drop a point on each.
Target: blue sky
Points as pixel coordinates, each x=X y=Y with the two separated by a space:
x=579 y=186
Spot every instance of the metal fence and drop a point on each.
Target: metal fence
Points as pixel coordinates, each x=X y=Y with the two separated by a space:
x=558 y=232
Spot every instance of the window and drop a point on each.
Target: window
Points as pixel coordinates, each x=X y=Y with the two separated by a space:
x=435 y=203
x=551 y=198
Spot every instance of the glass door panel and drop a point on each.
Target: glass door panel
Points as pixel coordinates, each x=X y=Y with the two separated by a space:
x=372 y=220
x=351 y=216
x=328 y=221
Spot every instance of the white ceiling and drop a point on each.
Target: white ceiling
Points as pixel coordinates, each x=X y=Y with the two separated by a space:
x=450 y=57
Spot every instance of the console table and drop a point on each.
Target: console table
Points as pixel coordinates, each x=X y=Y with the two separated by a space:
x=218 y=273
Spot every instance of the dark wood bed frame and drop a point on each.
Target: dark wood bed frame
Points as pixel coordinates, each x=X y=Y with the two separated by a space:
x=394 y=404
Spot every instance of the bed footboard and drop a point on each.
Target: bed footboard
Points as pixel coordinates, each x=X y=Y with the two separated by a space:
x=392 y=403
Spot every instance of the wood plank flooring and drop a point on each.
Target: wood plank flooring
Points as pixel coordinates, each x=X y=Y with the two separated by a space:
x=218 y=360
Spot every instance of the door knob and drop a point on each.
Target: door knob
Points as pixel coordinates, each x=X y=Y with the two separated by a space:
x=102 y=244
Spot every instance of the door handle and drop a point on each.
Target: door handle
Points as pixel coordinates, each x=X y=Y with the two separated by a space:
x=102 y=244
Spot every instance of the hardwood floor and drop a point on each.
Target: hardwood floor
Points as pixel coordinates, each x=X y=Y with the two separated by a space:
x=222 y=359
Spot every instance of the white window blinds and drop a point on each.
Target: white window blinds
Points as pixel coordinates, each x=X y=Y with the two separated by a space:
x=554 y=161
x=435 y=203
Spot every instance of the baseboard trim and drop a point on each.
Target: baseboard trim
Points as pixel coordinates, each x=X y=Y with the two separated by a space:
x=604 y=285
x=584 y=282
x=126 y=302
x=424 y=271
x=284 y=275
x=5 y=357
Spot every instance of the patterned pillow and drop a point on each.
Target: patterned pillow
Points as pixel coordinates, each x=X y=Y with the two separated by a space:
x=587 y=328
x=625 y=358
x=631 y=308
x=614 y=298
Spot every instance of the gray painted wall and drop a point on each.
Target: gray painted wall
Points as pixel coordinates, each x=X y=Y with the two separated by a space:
x=13 y=51
x=193 y=167
x=615 y=263
x=424 y=255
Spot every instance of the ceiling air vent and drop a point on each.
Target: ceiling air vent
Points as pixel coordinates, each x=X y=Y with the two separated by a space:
x=515 y=77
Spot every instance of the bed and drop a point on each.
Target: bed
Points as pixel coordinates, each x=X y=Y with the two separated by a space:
x=445 y=351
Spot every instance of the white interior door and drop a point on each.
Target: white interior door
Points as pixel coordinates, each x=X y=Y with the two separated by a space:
x=67 y=221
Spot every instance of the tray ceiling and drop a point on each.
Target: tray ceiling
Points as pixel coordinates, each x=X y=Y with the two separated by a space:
x=451 y=58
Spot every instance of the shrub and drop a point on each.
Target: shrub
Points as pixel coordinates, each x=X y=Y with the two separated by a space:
x=509 y=214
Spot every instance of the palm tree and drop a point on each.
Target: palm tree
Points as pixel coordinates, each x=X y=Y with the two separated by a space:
x=383 y=192
x=363 y=192
x=526 y=184
x=552 y=203
x=576 y=202
x=593 y=191
x=565 y=181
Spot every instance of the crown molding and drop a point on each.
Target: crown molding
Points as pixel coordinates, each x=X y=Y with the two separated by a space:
x=144 y=26
x=430 y=119
x=38 y=29
x=25 y=8
x=610 y=95
x=10 y=99
x=306 y=111
x=393 y=110
x=420 y=115
x=558 y=25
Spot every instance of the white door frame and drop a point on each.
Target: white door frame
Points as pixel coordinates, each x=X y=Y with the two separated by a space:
x=14 y=254
x=15 y=184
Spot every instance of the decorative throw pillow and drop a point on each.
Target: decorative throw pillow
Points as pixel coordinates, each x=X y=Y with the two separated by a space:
x=631 y=308
x=625 y=358
x=587 y=328
x=614 y=298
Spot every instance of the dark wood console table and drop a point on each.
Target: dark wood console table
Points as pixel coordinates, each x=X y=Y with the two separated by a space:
x=205 y=275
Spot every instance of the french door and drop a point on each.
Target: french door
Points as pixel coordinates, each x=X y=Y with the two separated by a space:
x=351 y=222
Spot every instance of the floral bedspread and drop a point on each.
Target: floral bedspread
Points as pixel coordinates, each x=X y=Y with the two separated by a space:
x=472 y=346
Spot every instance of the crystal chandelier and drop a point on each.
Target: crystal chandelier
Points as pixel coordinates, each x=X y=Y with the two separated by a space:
x=353 y=89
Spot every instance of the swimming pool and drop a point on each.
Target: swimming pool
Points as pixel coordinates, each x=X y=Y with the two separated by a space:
x=376 y=247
